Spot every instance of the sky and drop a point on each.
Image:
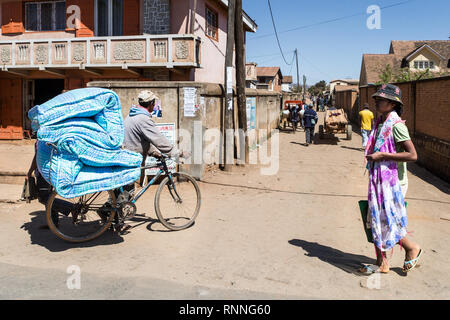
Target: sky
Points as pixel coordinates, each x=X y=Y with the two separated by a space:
x=333 y=50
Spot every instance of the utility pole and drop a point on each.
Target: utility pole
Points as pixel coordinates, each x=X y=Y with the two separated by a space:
x=304 y=86
x=298 y=77
x=240 y=84
x=194 y=12
x=228 y=112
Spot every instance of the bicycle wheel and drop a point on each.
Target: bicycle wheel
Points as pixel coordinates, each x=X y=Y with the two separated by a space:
x=177 y=202
x=82 y=218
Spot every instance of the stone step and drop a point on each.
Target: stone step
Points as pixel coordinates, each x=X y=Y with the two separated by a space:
x=12 y=177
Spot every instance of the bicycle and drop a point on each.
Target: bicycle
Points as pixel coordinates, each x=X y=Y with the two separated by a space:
x=87 y=217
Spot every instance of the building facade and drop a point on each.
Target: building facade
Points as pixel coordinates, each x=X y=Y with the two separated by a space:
x=50 y=46
x=415 y=56
x=269 y=78
x=286 y=84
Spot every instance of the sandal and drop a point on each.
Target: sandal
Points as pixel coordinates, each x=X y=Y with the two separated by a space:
x=413 y=263
x=371 y=269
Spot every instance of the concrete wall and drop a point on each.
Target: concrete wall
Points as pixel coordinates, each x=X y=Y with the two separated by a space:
x=208 y=119
x=426 y=111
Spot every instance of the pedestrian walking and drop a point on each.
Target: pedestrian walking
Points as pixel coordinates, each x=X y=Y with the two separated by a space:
x=295 y=117
x=284 y=116
x=310 y=120
x=366 y=117
x=388 y=149
x=302 y=114
x=321 y=103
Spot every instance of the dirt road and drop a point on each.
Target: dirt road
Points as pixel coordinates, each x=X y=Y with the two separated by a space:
x=294 y=235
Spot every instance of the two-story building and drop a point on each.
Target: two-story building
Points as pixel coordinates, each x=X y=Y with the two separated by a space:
x=269 y=78
x=432 y=55
x=54 y=45
x=286 y=84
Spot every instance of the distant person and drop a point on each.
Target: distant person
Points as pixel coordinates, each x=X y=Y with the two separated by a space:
x=295 y=117
x=310 y=120
x=284 y=117
x=366 y=117
x=321 y=103
x=302 y=113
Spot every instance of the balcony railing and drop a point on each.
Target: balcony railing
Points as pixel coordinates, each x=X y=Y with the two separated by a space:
x=145 y=51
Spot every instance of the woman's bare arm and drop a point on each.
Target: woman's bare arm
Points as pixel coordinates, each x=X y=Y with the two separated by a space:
x=409 y=155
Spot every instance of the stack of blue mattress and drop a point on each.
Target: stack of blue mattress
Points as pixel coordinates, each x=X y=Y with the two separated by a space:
x=80 y=133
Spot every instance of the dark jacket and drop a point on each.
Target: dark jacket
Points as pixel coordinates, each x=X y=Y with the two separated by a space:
x=295 y=115
x=309 y=115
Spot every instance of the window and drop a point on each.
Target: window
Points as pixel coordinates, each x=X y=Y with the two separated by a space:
x=109 y=17
x=423 y=64
x=212 y=24
x=45 y=16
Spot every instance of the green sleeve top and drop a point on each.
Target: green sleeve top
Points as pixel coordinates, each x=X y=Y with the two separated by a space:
x=400 y=132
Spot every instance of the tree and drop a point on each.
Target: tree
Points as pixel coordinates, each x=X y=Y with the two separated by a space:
x=296 y=88
x=321 y=85
x=385 y=75
x=318 y=88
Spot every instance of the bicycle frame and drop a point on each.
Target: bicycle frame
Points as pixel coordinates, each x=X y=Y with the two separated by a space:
x=160 y=173
x=162 y=170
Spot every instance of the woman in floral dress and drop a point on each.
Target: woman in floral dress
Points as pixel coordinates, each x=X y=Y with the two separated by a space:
x=388 y=149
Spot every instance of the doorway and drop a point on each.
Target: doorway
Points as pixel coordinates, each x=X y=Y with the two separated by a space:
x=38 y=91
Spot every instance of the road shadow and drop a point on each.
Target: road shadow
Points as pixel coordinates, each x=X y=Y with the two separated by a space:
x=288 y=130
x=327 y=139
x=44 y=237
x=425 y=175
x=351 y=148
x=156 y=226
x=300 y=144
x=399 y=271
x=347 y=262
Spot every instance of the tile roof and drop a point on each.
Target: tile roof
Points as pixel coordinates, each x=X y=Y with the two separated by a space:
x=287 y=79
x=374 y=63
x=351 y=81
x=267 y=71
x=338 y=88
x=404 y=48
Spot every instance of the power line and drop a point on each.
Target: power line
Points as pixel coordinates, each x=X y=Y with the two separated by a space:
x=314 y=66
x=269 y=55
x=292 y=64
x=276 y=34
x=328 y=21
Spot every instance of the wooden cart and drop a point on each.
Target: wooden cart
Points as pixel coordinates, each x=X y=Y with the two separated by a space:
x=336 y=121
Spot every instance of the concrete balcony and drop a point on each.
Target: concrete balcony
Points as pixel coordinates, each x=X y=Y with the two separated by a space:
x=97 y=53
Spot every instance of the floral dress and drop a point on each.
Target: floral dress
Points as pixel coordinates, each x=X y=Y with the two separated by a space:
x=387 y=210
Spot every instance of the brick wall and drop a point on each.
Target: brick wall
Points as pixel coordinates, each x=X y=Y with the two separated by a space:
x=432 y=108
x=426 y=111
x=156 y=16
x=348 y=100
